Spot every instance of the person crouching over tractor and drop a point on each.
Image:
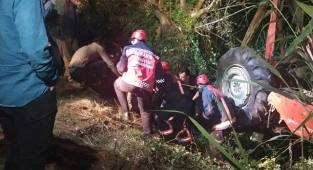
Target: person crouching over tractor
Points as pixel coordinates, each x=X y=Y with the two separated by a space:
x=218 y=115
x=174 y=92
x=85 y=65
x=174 y=126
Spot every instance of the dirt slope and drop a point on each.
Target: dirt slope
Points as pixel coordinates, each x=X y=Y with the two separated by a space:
x=86 y=135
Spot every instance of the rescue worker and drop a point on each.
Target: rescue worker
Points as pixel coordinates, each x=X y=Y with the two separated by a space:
x=85 y=63
x=175 y=93
x=218 y=115
x=158 y=95
x=190 y=80
x=141 y=70
x=174 y=126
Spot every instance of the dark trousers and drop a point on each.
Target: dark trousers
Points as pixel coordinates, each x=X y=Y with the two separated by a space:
x=143 y=98
x=197 y=107
x=28 y=131
x=90 y=72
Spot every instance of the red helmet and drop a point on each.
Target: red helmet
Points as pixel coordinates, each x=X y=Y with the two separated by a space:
x=139 y=35
x=202 y=79
x=165 y=66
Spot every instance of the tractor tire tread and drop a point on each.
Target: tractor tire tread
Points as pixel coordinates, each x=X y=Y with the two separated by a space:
x=256 y=107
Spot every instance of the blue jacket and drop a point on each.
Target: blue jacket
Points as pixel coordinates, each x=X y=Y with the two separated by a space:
x=210 y=106
x=212 y=109
x=26 y=66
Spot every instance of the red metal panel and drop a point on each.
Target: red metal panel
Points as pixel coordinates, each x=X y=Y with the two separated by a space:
x=293 y=113
x=280 y=36
x=269 y=48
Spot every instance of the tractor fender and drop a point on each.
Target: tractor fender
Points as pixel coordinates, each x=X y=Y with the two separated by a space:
x=293 y=113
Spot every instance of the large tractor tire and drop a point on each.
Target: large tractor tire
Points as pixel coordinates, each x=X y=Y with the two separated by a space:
x=250 y=100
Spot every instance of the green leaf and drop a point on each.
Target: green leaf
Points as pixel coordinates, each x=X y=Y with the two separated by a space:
x=217 y=145
x=304 y=122
x=306 y=8
x=211 y=140
x=306 y=31
x=265 y=86
x=276 y=137
x=301 y=125
x=241 y=150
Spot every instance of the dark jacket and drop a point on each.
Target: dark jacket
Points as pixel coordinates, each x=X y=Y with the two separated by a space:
x=177 y=96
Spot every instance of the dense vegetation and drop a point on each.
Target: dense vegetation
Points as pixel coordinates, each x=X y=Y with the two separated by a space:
x=195 y=32
x=198 y=32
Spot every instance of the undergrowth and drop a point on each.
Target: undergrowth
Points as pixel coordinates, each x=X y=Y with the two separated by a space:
x=90 y=121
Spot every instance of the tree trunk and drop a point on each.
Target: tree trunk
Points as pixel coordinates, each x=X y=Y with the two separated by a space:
x=198 y=5
x=254 y=25
x=164 y=20
x=202 y=11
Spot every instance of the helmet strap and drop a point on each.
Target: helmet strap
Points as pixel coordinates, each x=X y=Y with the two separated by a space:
x=134 y=41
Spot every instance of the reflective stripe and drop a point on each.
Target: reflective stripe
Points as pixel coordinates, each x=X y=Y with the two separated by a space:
x=143 y=84
x=160 y=81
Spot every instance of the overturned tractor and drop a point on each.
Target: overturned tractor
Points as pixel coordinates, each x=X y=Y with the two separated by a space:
x=245 y=78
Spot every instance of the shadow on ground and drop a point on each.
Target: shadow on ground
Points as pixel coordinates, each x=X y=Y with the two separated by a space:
x=65 y=154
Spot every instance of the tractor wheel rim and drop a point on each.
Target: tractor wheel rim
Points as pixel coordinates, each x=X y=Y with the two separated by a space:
x=238 y=91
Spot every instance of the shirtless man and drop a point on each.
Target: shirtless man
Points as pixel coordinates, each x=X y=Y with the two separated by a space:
x=85 y=62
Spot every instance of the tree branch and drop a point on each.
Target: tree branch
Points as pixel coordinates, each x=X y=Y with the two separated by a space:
x=161 y=3
x=254 y=25
x=183 y=5
x=163 y=18
x=221 y=19
x=198 y=5
x=196 y=14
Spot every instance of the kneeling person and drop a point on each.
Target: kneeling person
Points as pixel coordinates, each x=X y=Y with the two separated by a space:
x=174 y=126
x=218 y=115
x=85 y=62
